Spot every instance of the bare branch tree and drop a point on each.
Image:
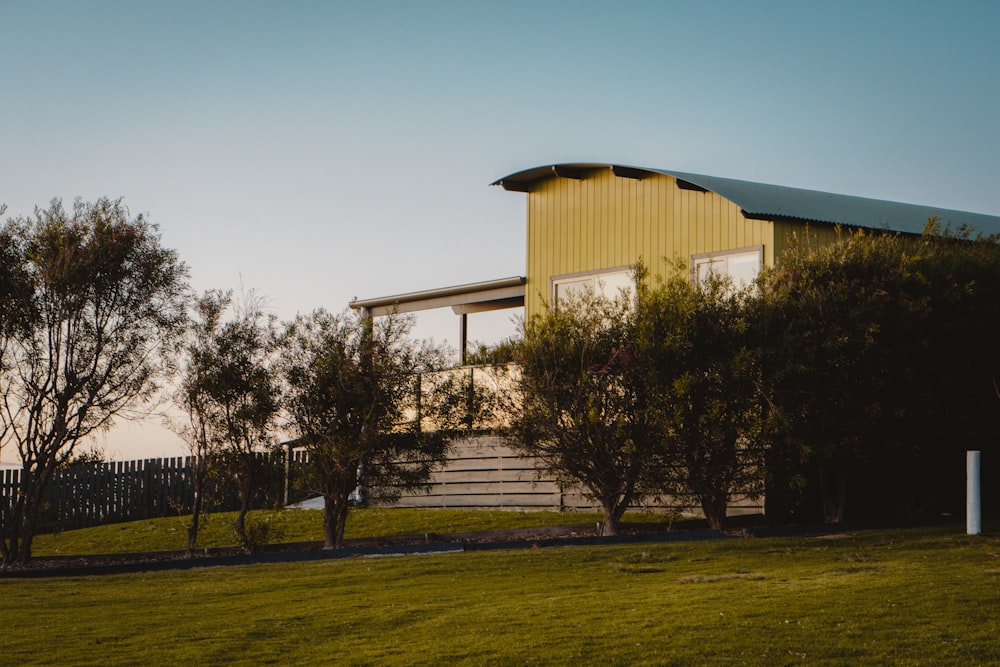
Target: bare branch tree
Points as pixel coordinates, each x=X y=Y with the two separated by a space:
x=200 y=427
x=103 y=309
x=231 y=394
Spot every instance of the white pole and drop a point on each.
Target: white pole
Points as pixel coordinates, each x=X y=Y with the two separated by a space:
x=973 y=507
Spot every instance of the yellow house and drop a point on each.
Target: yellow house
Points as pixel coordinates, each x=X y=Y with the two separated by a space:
x=588 y=224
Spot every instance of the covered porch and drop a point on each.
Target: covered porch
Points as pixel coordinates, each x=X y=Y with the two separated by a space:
x=479 y=297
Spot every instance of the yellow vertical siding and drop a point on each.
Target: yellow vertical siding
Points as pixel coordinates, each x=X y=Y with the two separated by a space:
x=606 y=222
x=817 y=232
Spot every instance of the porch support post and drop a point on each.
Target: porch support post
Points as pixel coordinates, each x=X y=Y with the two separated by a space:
x=463 y=337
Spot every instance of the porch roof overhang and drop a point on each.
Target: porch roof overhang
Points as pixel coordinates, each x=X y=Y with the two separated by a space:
x=463 y=299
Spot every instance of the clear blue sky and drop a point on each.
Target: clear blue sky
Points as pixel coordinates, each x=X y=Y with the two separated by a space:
x=319 y=151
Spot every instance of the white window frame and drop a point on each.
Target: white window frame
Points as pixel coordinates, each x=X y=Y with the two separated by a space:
x=720 y=262
x=607 y=282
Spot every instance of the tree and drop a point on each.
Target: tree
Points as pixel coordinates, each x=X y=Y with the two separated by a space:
x=878 y=368
x=201 y=430
x=100 y=305
x=945 y=369
x=231 y=395
x=845 y=342
x=697 y=345
x=584 y=409
x=350 y=381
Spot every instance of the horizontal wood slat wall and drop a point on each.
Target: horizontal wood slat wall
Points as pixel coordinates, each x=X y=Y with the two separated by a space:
x=484 y=472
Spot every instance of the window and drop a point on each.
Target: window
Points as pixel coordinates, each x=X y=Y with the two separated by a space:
x=605 y=283
x=742 y=266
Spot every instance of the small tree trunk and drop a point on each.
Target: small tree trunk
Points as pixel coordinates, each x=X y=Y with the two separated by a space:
x=27 y=535
x=341 y=523
x=25 y=519
x=777 y=497
x=199 y=470
x=194 y=525
x=5 y=533
x=334 y=520
x=193 y=531
x=241 y=519
x=329 y=522
x=714 y=506
x=833 y=488
x=12 y=531
x=610 y=524
x=17 y=523
x=246 y=487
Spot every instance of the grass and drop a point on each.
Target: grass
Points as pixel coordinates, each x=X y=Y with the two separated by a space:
x=913 y=597
x=299 y=526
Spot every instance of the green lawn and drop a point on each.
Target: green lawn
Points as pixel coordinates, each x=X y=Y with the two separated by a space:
x=916 y=597
x=302 y=525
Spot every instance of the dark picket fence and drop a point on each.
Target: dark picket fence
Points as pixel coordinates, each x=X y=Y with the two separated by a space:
x=92 y=494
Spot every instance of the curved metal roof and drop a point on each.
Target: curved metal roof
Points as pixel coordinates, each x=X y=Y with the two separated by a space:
x=760 y=200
